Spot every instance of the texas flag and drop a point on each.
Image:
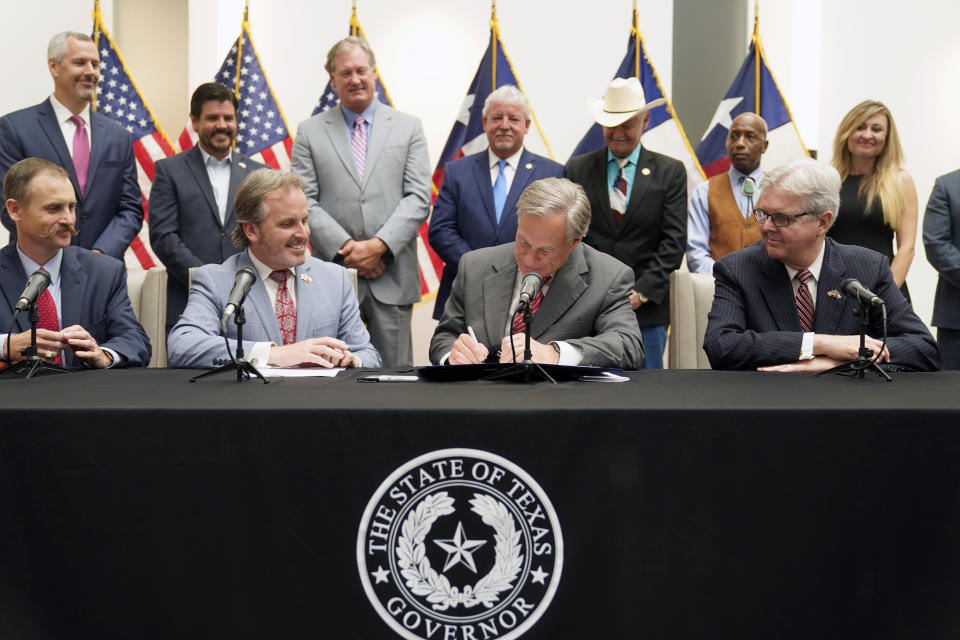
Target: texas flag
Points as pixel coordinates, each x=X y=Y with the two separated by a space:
x=664 y=133
x=753 y=86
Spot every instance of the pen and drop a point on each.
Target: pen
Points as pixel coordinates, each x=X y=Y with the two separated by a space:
x=472 y=334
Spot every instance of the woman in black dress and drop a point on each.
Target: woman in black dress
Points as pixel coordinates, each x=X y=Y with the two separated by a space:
x=878 y=200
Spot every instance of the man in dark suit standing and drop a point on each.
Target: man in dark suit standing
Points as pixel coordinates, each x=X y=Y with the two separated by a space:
x=639 y=203
x=191 y=201
x=941 y=239
x=778 y=305
x=96 y=152
x=85 y=318
x=475 y=207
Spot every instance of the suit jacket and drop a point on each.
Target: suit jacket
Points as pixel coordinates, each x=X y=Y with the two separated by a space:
x=464 y=217
x=586 y=306
x=941 y=239
x=754 y=322
x=326 y=306
x=93 y=294
x=185 y=227
x=654 y=234
x=390 y=202
x=110 y=215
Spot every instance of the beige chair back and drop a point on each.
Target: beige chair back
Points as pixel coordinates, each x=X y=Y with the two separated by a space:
x=148 y=297
x=691 y=296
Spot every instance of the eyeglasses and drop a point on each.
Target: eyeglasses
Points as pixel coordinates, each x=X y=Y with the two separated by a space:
x=780 y=219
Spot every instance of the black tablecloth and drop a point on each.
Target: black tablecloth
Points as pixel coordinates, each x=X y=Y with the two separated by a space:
x=693 y=504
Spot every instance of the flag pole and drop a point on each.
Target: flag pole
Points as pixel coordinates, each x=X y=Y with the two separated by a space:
x=494 y=37
x=97 y=26
x=354 y=22
x=635 y=30
x=243 y=26
x=756 y=55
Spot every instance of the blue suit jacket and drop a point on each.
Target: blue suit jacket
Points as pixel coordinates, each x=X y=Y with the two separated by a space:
x=464 y=217
x=326 y=306
x=93 y=294
x=110 y=215
x=754 y=322
x=185 y=228
x=941 y=239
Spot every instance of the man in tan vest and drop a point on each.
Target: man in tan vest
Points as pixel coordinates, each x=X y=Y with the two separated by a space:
x=721 y=219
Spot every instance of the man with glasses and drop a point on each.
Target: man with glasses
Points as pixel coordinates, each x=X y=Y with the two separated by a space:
x=779 y=306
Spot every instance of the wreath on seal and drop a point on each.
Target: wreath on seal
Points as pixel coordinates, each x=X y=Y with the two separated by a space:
x=423 y=580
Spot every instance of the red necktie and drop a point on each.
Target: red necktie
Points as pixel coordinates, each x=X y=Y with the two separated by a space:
x=286 y=312
x=519 y=326
x=47 y=313
x=81 y=152
x=804 y=301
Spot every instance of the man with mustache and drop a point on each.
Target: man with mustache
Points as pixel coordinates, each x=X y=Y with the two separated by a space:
x=300 y=312
x=639 y=203
x=476 y=204
x=95 y=151
x=191 y=201
x=721 y=209
x=85 y=318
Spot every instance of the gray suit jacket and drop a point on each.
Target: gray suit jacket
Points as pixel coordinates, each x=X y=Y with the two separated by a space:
x=586 y=306
x=326 y=306
x=941 y=239
x=391 y=201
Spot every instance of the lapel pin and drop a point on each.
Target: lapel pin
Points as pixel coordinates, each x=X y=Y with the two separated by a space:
x=645 y=171
x=528 y=166
x=833 y=293
x=306 y=278
x=242 y=165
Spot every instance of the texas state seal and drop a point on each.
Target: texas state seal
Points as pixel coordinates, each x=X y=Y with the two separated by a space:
x=460 y=544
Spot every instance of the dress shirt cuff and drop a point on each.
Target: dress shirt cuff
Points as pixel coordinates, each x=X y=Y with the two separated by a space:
x=806 y=347
x=444 y=359
x=3 y=347
x=570 y=355
x=116 y=360
x=259 y=355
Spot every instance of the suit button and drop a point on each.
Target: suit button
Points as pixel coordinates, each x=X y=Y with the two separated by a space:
x=83 y=219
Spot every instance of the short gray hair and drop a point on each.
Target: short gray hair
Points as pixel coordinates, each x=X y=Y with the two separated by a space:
x=252 y=193
x=552 y=196
x=816 y=182
x=507 y=94
x=58 y=44
x=345 y=45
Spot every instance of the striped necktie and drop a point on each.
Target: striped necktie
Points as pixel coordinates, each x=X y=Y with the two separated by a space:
x=618 y=194
x=804 y=301
x=359 y=145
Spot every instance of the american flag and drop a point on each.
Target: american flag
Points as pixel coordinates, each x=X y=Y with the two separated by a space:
x=262 y=131
x=119 y=99
x=430 y=263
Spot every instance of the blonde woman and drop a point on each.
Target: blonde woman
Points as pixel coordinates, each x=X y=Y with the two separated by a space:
x=878 y=200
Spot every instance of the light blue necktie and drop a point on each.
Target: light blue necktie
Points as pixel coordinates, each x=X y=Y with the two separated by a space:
x=500 y=190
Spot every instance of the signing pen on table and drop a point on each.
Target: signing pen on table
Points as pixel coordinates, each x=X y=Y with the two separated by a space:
x=472 y=334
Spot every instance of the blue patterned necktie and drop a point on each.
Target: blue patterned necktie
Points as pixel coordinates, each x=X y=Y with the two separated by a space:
x=500 y=190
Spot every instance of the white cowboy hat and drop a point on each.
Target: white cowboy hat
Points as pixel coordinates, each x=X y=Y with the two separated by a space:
x=623 y=100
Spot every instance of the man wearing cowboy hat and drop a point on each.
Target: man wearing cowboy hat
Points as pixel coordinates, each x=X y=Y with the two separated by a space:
x=639 y=203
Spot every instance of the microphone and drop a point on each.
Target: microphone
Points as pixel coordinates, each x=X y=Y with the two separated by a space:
x=241 y=287
x=529 y=287
x=853 y=288
x=38 y=281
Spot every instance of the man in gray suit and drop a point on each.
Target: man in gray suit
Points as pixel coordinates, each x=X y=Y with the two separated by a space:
x=583 y=316
x=191 y=200
x=300 y=312
x=367 y=181
x=941 y=239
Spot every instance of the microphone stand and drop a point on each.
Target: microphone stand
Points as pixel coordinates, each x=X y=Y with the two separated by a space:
x=526 y=369
x=244 y=369
x=865 y=360
x=34 y=363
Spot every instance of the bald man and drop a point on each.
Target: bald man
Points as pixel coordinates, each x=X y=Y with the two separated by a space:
x=721 y=219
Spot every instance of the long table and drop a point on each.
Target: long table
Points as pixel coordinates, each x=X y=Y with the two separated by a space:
x=688 y=504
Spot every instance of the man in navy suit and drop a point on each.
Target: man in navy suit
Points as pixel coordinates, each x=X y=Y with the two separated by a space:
x=941 y=239
x=191 y=200
x=778 y=304
x=300 y=312
x=96 y=152
x=86 y=318
x=477 y=201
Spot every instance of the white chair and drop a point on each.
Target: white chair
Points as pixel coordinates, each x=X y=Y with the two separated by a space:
x=691 y=296
x=148 y=297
